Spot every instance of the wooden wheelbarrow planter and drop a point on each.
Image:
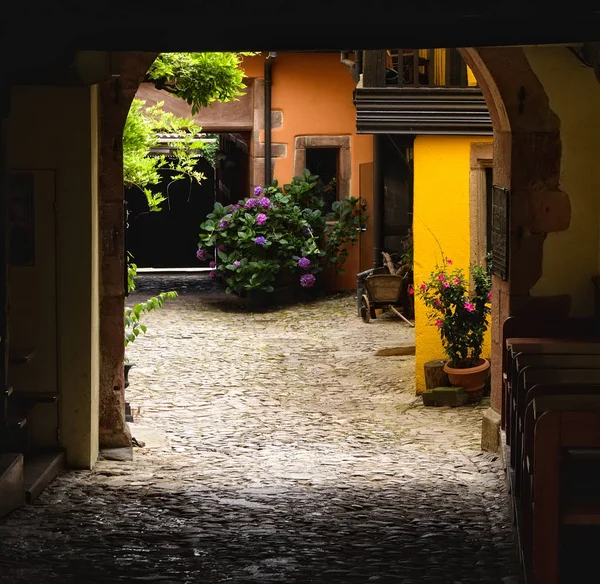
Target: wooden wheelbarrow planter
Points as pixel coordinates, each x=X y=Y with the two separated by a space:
x=382 y=290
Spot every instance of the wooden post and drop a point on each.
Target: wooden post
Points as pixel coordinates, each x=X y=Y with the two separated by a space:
x=435 y=375
x=374 y=69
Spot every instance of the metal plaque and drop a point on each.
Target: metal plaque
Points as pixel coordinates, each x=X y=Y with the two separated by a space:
x=500 y=231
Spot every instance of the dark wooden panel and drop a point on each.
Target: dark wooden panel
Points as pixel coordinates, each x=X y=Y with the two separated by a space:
x=424 y=110
x=500 y=232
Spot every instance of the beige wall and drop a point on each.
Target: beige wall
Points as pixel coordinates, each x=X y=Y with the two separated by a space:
x=572 y=257
x=55 y=128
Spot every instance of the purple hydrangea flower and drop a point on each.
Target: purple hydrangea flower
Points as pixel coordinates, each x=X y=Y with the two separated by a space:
x=212 y=274
x=237 y=263
x=307 y=281
x=265 y=203
x=201 y=254
x=235 y=207
x=211 y=264
x=221 y=248
x=251 y=203
x=258 y=191
x=260 y=240
x=261 y=218
x=224 y=224
x=304 y=263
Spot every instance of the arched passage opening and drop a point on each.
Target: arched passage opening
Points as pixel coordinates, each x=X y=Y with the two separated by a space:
x=529 y=149
x=503 y=74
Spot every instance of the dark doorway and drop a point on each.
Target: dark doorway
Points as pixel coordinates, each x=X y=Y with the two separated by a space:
x=233 y=167
x=398 y=190
x=169 y=239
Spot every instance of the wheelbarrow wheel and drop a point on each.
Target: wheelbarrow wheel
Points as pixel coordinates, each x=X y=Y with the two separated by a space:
x=366 y=311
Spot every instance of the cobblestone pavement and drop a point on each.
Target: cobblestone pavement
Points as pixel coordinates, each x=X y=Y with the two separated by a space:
x=279 y=449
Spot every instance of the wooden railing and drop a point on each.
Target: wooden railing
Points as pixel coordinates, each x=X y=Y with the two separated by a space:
x=415 y=68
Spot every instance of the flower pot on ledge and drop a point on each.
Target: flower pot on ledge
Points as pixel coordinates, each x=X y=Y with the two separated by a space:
x=472 y=379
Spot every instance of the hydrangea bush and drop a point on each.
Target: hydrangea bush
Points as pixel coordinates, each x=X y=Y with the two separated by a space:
x=461 y=317
x=279 y=236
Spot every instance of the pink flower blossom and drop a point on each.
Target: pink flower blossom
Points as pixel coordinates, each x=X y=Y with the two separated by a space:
x=469 y=307
x=437 y=303
x=449 y=261
x=446 y=284
x=411 y=290
x=211 y=264
x=423 y=287
x=489 y=296
x=212 y=274
x=456 y=281
x=441 y=277
x=439 y=322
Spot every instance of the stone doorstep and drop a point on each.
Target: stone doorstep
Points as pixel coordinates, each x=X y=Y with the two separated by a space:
x=124 y=454
x=40 y=471
x=445 y=396
x=11 y=482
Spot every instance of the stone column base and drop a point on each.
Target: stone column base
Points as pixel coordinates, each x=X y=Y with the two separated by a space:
x=115 y=438
x=490 y=431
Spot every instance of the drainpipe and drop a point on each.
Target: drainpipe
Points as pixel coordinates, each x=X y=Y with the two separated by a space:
x=268 y=83
x=344 y=59
x=378 y=198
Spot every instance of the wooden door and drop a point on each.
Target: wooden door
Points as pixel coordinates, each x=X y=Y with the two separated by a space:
x=32 y=299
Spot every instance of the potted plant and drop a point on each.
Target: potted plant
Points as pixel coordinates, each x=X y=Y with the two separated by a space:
x=461 y=315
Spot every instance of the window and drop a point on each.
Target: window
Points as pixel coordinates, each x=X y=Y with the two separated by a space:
x=324 y=163
x=327 y=156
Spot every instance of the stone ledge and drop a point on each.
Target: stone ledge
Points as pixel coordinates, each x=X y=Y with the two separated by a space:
x=490 y=431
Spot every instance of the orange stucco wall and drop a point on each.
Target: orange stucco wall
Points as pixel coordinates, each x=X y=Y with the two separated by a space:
x=314 y=92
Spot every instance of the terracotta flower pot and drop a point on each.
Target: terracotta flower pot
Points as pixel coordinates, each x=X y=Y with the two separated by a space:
x=471 y=378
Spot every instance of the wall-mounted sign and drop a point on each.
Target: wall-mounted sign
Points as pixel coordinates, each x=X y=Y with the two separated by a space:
x=500 y=231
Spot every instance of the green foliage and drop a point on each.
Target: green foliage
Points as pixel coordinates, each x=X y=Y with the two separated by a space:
x=142 y=169
x=280 y=236
x=199 y=78
x=131 y=273
x=462 y=318
x=133 y=316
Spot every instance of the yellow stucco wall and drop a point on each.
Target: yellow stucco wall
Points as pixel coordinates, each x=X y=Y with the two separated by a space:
x=572 y=257
x=441 y=222
x=67 y=145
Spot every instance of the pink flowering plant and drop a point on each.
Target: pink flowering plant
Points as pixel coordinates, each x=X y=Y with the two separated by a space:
x=460 y=314
x=279 y=236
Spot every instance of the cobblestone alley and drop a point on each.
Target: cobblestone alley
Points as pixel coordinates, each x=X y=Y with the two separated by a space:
x=279 y=448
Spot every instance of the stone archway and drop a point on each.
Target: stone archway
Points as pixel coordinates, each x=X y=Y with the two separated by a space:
x=116 y=96
x=527 y=158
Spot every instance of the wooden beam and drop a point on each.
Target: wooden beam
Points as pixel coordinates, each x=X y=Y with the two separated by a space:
x=374 y=69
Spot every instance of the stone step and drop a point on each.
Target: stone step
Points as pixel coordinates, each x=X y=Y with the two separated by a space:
x=11 y=482
x=40 y=470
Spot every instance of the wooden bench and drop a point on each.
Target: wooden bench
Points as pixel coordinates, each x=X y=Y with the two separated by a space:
x=541 y=328
x=529 y=377
x=561 y=424
x=580 y=395
x=529 y=369
x=535 y=345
